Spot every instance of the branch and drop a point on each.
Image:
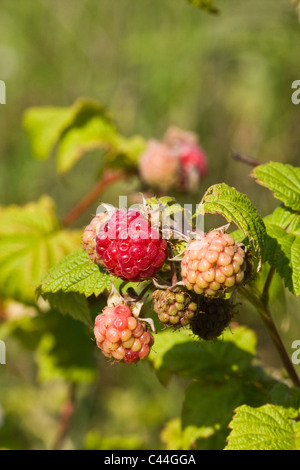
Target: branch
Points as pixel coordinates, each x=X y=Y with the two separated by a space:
x=67 y=412
x=261 y=304
x=108 y=178
x=245 y=159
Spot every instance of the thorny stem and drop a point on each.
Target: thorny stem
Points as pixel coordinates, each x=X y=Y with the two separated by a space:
x=261 y=303
x=108 y=178
x=245 y=159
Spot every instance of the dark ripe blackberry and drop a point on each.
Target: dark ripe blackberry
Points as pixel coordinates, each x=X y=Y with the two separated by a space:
x=212 y=318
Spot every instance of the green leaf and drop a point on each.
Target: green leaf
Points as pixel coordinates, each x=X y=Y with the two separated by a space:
x=236 y=208
x=70 y=303
x=31 y=241
x=171 y=435
x=205 y=4
x=65 y=351
x=76 y=130
x=44 y=126
x=85 y=134
x=177 y=352
x=268 y=427
x=283 y=180
x=200 y=422
x=283 y=245
x=76 y=273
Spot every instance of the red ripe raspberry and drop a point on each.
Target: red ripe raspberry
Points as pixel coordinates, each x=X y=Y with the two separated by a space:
x=193 y=158
x=89 y=237
x=121 y=336
x=214 y=264
x=159 y=167
x=129 y=247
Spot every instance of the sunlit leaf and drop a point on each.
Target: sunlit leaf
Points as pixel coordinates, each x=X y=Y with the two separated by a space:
x=238 y=209
x=31 y=242
x=283 y=180
x=71 y=132
x=268 y=427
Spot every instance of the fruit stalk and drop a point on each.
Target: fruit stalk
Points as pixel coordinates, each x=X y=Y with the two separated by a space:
x=262 y=306
x=108 y=178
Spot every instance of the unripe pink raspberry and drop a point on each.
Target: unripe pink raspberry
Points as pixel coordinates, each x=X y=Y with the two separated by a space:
x=121 y=336
x=129 y=247
x=193 y=159
x=89 y=237
x=213 y=265
x=159 y=167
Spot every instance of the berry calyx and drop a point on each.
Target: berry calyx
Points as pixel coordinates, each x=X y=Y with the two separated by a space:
x=212 y=318
x=129 y=247
x=174 y=309
x=121 y=336
x=213 y=265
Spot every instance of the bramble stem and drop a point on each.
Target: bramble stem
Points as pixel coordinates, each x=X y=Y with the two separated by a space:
x=245 y=159
x=261 y=303
x=265 y=292
x=66 y=418
x=108 y=178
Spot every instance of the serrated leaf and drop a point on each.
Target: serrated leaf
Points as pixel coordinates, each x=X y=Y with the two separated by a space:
x=201 y=425
x=65 y=350
x=238 y=209
x=282 y=179
x=178 y=353
x=70 y=303
x=76 y=273
x=81 y=138
x=205 y=4
x=268 y=427
x=43 y=126
x=283 y=245
x=31 y=241
x=167 y=204
x=76 y=130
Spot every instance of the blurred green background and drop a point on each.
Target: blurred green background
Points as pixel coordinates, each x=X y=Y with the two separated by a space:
x=152 y=63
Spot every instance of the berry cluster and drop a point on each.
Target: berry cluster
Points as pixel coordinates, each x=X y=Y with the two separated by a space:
x=125 y=244
x=177 y=162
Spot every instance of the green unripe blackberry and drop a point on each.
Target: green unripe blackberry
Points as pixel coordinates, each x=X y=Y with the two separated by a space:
x=174 y=309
